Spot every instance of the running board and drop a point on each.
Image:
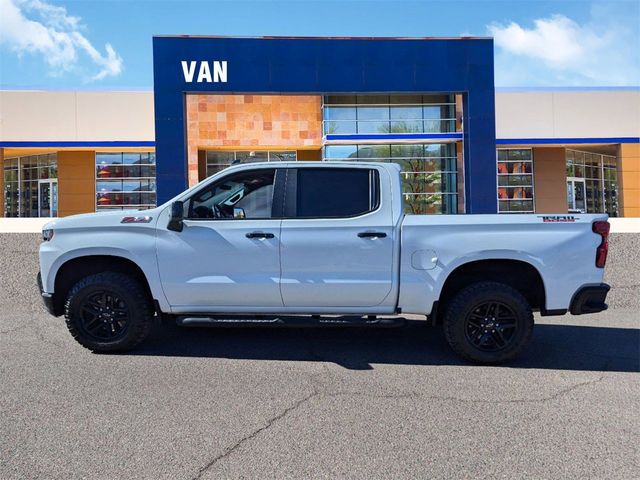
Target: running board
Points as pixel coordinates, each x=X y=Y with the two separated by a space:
x=289 y=321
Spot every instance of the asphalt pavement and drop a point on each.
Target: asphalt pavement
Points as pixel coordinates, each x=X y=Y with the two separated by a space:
x=312 y=402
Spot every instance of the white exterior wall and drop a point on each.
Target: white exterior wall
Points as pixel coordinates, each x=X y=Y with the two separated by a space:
x=76 y=116
x=568 y=114
x=128 y=116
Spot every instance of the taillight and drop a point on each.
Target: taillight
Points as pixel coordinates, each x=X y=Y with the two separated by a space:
x=602 y=229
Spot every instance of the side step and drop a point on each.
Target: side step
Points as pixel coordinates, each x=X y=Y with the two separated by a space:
x=289 y=321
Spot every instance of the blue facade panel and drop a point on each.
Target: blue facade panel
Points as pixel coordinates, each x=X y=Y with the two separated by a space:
x=330 y=66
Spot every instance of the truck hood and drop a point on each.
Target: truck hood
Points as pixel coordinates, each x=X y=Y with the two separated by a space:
x=101 y=219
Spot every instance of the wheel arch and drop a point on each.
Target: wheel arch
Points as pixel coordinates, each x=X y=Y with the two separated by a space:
x=72 y=270
x=519 y=274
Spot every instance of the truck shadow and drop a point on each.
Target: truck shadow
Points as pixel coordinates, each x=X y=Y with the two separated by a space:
x=557 y=347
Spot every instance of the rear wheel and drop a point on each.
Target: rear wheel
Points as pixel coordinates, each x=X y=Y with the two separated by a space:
x=488 y=322
x=108 y=312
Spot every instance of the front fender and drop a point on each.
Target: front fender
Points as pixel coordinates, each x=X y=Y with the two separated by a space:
x=51 y=262
x=49 y=281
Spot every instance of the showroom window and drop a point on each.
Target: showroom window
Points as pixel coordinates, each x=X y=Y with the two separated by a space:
x=219 y=159
x=430 y=180
x=375 y=114
x=125 y=180
x=515 y=180
x=31 y=186
x=592 y=183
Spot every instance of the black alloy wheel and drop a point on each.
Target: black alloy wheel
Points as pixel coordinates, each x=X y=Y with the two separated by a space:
x=109 y=312
x=491 y=326
x=488 y=322
x=104 y=316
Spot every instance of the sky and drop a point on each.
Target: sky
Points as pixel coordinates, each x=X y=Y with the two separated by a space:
x=106 y=44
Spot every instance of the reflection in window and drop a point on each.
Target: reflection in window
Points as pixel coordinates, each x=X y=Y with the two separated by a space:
x=376 y=114
x=601 y=180
x=515 y=180
x=22 y=176
x=125 y=180
x=429 y=172
x=251 y=191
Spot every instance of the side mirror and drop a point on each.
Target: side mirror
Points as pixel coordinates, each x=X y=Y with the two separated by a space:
x=176 y=217
x=238 y=213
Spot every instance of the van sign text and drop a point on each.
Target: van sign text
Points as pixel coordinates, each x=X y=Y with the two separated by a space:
x=207 y=72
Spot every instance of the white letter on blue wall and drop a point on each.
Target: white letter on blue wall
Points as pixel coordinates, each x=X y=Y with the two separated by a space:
x=220 y=71
x=205 y=73
x=188 y=71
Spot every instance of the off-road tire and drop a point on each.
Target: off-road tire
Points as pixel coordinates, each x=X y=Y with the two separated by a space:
x=133 y=296
x=465 y=303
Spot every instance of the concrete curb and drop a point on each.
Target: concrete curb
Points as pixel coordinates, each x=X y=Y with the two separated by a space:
x=23 y=225
x=625 y=225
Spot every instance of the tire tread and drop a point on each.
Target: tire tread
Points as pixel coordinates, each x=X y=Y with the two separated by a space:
x=460 y=302
x=142 y=309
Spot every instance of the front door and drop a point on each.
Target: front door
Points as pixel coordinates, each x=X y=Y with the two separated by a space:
x=337 y=240
x=576 y=195
x=227 y=257
x=47 y=198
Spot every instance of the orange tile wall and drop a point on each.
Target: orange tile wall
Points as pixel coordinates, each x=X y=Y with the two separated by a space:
x=629 y=178
x=76 y=182
x=242 y=122
x=550 y=179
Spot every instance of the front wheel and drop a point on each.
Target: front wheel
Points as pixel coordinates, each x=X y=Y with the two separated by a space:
x=488 y=322
x=108 y=312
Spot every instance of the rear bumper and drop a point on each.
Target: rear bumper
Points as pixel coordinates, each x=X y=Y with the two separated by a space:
x=590 y=299
x=47 y=298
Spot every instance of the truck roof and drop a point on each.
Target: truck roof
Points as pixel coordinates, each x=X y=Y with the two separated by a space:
x=319 y=163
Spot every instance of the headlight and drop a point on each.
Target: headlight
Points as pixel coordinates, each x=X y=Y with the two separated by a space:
x=47 y=234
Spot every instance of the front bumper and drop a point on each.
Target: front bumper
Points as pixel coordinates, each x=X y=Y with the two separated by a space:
x=590 y=299
x=47 y=298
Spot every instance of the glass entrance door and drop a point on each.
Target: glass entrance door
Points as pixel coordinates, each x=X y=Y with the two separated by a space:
x=48 y=198
x=576 y=188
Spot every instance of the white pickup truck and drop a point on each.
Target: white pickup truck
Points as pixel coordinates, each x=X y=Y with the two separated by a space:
x=319 y=239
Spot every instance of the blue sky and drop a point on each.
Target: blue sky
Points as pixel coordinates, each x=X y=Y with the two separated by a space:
x=106 y=44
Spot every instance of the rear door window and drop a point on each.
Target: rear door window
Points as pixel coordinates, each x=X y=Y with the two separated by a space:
x=336 y=192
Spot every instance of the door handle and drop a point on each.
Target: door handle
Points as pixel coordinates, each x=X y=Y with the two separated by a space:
x=260 y=235
x=372 y=234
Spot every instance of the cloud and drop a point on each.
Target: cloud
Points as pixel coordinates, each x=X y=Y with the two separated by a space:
x=557 y=50
x=39 y=28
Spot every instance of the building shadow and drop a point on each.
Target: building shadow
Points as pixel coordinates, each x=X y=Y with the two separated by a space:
x=557 y=347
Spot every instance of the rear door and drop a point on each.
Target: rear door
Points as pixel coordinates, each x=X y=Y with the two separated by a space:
x=336 y=238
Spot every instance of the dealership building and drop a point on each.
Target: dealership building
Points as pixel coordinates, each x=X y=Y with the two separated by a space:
x=429 y=105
